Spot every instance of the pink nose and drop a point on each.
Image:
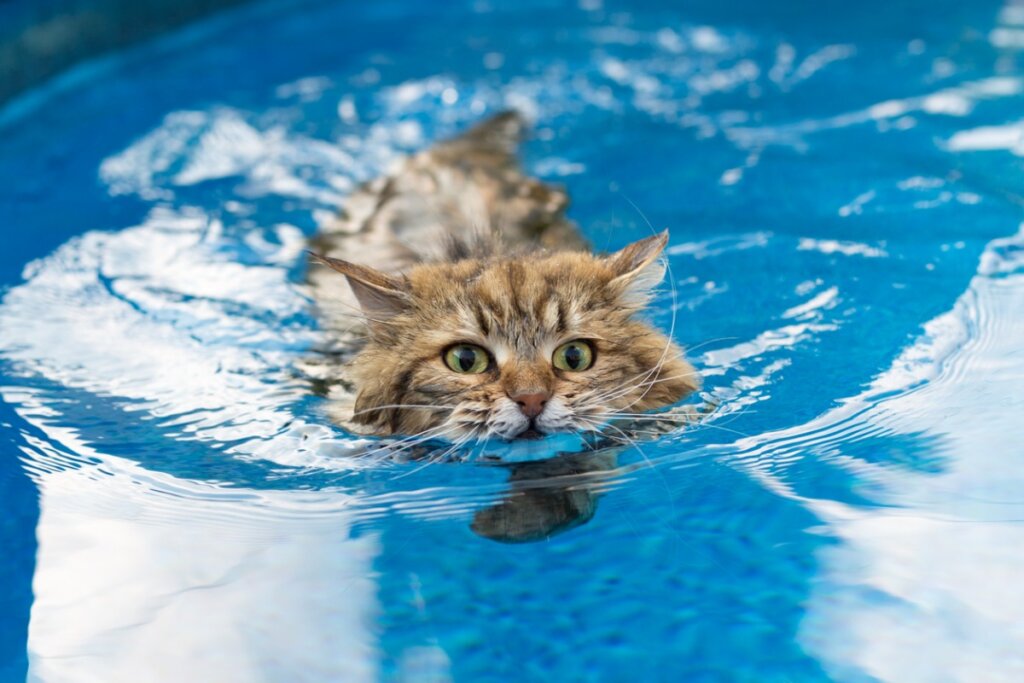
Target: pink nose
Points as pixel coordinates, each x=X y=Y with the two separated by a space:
x=531 y=402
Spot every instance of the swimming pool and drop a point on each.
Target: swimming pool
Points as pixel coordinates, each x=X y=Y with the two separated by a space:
x=842 y=182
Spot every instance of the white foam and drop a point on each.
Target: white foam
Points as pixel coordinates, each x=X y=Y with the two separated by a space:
x=1009 y=137
x=845 y=248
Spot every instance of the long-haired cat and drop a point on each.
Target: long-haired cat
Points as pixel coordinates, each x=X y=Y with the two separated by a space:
x=483 y=314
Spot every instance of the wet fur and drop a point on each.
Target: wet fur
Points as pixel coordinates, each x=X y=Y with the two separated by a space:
x=519 y=287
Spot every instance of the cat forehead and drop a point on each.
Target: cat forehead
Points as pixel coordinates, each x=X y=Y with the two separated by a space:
x=528 y=303
x=574 y=274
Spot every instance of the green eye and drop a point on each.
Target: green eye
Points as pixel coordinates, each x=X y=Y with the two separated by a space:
x=466 y=359
x=574 y=356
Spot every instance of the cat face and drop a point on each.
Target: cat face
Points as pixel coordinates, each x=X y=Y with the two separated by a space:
x=513 y=347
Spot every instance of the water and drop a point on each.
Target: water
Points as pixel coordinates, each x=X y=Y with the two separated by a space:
x=842 y=182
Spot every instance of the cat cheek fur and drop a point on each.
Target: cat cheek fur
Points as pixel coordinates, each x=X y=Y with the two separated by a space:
x=399 y=393
x=647 y=373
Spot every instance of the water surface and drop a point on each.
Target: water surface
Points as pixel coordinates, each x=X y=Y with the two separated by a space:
x=842 y=184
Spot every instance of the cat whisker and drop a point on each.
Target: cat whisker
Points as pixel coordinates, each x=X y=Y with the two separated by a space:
x=431 y=459
x=650 y=385
x=622 y=391
x=634 y=444
x=595 y=427
x=645 y=374
x=428 y=462
x=642 y=376
x=399 y=445
x=601 y=427
x=725 y=429
x=704 y=343
x=679 y=421
x=668 y=416
x=648 y=434
x=672 y=289
x=644 y=417
x=436 y=458
x=405 y=405
x=454 y=447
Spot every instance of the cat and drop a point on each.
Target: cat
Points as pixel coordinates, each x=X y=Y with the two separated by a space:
x=482 y=314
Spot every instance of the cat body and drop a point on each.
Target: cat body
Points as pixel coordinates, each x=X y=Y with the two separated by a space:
x=475 y=309
x=462 y=197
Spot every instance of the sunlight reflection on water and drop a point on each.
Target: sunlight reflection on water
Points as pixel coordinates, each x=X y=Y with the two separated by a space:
x=849 y=279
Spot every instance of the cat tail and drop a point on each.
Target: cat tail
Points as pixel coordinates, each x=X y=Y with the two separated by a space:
x=503 y=132
x=491 y=144
x=512 y=208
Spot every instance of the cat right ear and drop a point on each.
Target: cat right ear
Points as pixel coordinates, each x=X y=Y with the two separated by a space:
x=381 y=296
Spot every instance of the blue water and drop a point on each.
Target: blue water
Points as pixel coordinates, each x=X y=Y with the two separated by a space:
x=842 y=182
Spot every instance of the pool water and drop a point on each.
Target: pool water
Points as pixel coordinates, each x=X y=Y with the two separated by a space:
x=843 y=185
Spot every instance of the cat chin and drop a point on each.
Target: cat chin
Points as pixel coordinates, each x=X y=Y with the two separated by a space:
x=527 y=450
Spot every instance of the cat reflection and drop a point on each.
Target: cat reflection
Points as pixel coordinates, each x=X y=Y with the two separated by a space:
x=547 y=497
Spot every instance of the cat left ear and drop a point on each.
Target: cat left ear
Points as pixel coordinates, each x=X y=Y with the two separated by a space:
x=381 y=296
x=638 y=268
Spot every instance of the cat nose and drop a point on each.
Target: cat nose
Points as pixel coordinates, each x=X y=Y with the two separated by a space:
x=531 y=402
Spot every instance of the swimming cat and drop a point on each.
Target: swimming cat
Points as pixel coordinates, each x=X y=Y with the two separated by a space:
x=481 y=312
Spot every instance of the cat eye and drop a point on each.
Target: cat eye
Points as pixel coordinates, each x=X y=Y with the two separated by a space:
x=574 y=356
x=467 y=359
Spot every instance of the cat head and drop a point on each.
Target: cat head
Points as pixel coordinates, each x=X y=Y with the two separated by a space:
x=513 y=347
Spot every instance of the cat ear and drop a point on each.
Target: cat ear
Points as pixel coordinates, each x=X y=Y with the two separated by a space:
x=638 y=269
x=380 y=296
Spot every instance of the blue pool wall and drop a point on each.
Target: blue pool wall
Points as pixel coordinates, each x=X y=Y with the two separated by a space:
x=41 y=38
